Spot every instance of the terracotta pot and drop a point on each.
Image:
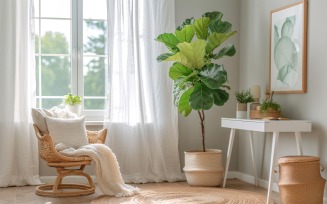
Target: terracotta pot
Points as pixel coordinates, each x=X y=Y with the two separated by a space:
x=204 y=168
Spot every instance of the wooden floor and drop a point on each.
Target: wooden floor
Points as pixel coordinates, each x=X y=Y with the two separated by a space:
x=26 y=195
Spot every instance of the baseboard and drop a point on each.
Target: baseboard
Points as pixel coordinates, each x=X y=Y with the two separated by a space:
x=250 y=179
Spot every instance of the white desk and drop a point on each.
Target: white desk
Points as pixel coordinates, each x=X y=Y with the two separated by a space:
x=274 y=126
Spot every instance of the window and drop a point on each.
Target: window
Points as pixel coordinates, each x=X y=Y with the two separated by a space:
x=71 y=53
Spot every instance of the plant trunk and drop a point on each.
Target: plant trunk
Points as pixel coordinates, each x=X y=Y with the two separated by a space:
x=202 y=117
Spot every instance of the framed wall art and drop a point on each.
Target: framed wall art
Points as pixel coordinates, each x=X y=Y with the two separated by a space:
x=288 y=49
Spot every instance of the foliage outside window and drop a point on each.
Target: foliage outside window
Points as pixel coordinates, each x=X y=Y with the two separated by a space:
x=70 y=52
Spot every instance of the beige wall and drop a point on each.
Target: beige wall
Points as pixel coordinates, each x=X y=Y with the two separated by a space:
x=254 y=58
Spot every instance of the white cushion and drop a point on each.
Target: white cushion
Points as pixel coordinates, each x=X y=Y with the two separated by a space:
x=38 y=116
x=70 y=131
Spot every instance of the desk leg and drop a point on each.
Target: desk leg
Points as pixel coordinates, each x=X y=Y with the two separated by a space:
x=299 y=143
x=272 y=162
x=229 y=154
x=253 y=159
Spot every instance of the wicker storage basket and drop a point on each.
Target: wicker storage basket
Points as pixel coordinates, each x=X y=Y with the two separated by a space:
x=300 y=181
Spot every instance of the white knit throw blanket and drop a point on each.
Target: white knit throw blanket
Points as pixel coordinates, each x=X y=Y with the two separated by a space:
x=107 y=168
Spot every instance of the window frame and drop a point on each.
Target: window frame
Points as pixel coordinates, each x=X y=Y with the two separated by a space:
x=76 y=55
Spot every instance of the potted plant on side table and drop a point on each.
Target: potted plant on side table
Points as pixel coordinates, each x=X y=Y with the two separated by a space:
x=73 y=103
x=270 y=109
x=243 y=97
x=199 y=83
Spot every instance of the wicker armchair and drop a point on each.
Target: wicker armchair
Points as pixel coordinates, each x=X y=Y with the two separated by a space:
x=63 y=164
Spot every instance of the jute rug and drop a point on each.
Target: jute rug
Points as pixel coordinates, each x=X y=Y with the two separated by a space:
x=181 y=193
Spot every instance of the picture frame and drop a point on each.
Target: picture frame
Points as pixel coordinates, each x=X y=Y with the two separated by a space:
x=288 y=49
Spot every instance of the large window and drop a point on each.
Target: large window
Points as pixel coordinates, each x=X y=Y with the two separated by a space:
x=70 y=52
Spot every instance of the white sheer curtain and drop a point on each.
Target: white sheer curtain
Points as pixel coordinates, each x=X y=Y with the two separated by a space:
x=142 y=121
x=18 y=146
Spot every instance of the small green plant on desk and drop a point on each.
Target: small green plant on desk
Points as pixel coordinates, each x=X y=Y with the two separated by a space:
x=269 y=108
x=244 y=96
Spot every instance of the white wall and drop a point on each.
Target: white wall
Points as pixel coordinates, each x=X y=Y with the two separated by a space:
x=189 y=127
x=254 y=61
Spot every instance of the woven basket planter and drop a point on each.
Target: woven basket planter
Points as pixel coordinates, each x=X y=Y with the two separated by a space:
x=256 y=114
x=204 y=168
x=300 y=181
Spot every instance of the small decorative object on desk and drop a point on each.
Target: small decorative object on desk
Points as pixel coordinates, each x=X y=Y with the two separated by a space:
x=256 y=93
x=73 y=103
x=269 y=108
x=243 y=97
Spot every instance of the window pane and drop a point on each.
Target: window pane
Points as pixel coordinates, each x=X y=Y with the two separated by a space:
x=37 y=34
x=37 y=76
x=50 y=102
x=36 y=8
x=92 y=10
x=94 y=104
x=94 y=37
x=55 y=9
x=38 y=105
x=56 y=76
x=55 y=36
x=94 y=76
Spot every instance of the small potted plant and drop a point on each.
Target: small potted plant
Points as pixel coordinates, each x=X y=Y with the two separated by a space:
x=243 y=97
x=270 y=109
x=73 y=103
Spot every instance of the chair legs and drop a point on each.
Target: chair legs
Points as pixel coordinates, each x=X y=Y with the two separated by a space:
x=61 y=190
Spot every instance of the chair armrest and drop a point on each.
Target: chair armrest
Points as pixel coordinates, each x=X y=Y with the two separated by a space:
x=48 y=151
x=97 y=137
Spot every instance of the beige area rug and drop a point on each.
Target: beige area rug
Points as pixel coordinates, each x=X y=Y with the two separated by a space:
x=181 y=193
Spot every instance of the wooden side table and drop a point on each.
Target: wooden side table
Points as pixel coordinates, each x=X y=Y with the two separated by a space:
x=274 y=126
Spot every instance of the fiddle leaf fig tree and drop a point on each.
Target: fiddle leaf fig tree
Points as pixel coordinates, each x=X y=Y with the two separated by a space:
x=199 y=83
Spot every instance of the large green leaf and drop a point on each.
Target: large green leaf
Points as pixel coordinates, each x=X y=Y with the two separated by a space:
x=191 y=54
x=201 y=27
x=213 y=76
x=185 y=35
x=216 y=39
x=180 y=58
x=214 y=15
x=184 y=106
x=170 y=40
x=188 y=21
x=228 y=50
x=219 y=26
x=201 y=98
x=179 y=71
x=164 y=56
x=220 y=97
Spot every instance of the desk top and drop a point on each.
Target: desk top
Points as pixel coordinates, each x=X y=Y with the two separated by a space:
x=267 y=125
